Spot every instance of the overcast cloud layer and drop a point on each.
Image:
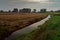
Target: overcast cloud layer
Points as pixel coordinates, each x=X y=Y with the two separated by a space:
x=37 y=4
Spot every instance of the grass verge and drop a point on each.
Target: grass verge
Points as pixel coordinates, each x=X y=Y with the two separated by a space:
x=48 y=31
x=35 y=34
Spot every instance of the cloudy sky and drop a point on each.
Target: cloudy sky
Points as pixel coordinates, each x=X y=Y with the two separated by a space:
x=33 y=4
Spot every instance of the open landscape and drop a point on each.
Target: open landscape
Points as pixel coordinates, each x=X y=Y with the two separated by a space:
x=12 y=22
x=48 y=31
x=29 y=19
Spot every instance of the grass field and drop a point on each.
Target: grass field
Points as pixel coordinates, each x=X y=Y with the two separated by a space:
x=55 y=28
x=48 y=31
x=12 y=22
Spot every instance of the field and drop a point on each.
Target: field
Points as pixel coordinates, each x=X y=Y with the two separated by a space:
x=55 y=28
x=12 y=22
x=48 y=31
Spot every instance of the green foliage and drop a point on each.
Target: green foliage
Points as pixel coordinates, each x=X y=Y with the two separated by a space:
x=48 y=31
x=53 y=28
x=38 y=34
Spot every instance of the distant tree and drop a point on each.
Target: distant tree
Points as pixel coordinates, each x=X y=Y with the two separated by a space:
x=52 y=11
x=43 y=10
x=34 y=10
x=15 y=10
x=25 y=10
x=9 y=11
x=1 y=11
x=58 y=11
x=20 y=10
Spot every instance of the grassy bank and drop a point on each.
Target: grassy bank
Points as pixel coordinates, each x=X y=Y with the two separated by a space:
x=48 y=31
x=35 y=34
x=54 y=28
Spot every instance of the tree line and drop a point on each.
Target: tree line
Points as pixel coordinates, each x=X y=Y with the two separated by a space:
x=24 y=10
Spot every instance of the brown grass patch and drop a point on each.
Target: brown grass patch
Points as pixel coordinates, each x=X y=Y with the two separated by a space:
x=12 y=22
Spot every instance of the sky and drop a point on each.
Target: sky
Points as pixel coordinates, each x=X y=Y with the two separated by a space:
x=33 y=4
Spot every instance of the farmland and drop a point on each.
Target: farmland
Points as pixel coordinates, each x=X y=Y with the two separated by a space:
x=48 y=31
x=12 y=22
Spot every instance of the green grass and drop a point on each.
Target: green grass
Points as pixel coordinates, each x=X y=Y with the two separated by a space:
x=48 y=31
x=54 y=28
x=36 y=34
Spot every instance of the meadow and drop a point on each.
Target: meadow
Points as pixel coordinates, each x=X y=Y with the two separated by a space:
x=48 y=31
x=10 y=22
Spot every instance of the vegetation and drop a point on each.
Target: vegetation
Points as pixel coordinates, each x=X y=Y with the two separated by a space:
x=37 y=34
x=34 y=10
x=54 y=28
x=12 y=22
x=15 y=10
x=43 y=10
x=24 y=10
x=48 y=31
